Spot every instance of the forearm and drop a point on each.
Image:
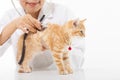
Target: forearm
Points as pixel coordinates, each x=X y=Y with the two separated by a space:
x=22 y=22
x=7 y=31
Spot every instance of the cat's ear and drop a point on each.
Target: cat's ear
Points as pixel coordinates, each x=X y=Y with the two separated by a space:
x=82 y=21
x=76 y=22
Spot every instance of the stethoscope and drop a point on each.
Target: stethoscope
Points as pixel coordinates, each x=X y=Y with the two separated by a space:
x=15 y=8
x=25 y=34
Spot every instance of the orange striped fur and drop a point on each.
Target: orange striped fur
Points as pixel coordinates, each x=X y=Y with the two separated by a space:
x=56 y=38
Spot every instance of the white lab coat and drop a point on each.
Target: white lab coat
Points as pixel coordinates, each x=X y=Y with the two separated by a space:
x=54 y=13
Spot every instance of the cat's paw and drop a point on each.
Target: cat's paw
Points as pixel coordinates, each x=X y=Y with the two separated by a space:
x=20 y=70
x=63 y=72
x=27 y=69
x=69 y=70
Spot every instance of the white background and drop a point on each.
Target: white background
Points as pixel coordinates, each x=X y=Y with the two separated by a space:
x=102 y=32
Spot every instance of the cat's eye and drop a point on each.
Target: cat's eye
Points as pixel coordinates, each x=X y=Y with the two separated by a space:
x=81 y=32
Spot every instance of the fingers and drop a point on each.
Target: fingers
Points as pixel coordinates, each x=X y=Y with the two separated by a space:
x=24 y=29
x=29 y=28
x=35 y=23
x=28 y=23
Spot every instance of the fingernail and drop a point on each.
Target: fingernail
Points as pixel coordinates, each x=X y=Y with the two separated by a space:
x=40 y=27
x=39 y=23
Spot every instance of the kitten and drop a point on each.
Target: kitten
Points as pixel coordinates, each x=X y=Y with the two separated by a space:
x=54 y=37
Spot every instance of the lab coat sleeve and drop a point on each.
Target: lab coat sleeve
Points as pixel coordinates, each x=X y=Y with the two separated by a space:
x=4 y=20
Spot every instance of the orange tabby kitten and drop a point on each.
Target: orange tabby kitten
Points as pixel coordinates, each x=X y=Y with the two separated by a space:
x=54 y=37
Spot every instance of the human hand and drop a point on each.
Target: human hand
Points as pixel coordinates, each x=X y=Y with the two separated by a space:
x=27 y=23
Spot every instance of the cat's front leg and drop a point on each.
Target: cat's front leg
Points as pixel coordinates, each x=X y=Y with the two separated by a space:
x=66 y=62
x=24 y=68
x=21 y=66
x=59 y=63
x=25 y=65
